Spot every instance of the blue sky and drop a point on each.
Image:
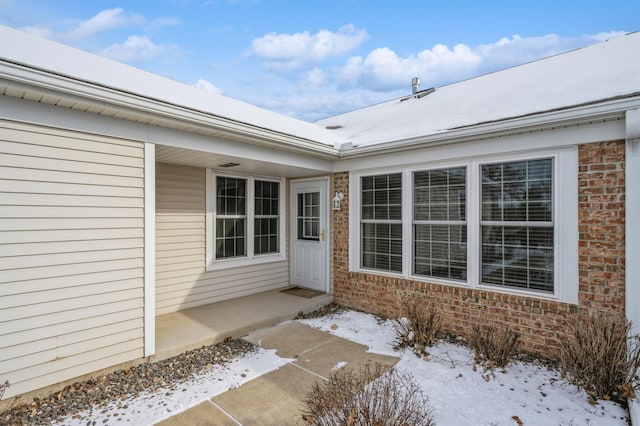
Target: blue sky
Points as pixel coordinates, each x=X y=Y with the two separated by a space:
x=311 y=59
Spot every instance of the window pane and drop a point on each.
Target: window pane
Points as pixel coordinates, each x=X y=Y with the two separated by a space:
x=382 y=246
x=518 y=257
x=518 y=192
x=230 y=225
x=266 y=229
x=440 y=249
x=309 y=216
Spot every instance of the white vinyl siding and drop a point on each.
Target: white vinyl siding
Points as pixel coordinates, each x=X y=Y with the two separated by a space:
x=182 y=281
x=71 y=254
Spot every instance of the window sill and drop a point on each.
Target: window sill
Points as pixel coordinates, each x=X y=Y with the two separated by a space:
x=218 y=265
x=466 y=285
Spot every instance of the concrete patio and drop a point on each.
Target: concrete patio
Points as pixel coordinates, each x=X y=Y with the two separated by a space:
x=277 y=398
x=193 y=328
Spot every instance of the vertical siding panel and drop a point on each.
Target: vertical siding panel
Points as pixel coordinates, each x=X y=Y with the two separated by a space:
x=71 y=254
x=182 y=281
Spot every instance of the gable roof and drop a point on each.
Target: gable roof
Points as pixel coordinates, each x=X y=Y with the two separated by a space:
x=607 y=71
x=32 y=52
x=600 y=79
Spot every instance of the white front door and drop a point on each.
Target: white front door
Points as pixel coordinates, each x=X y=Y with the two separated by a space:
x=309 y=234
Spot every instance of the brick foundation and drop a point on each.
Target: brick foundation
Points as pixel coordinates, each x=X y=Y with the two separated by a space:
x=540 y=322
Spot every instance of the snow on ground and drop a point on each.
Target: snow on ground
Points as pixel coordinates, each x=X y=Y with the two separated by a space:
x=531 y=394
x=525 y=393
x=149 y=408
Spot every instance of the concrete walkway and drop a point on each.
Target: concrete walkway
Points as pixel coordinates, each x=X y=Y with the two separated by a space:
x=276 y=398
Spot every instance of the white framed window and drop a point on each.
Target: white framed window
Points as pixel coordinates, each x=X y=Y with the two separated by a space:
x=381 y=222
x=440 y=223
x=503 y=222
x=244 y=220
x=516 y=224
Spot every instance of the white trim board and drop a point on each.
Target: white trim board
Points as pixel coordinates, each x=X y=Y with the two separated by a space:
x=149 y=249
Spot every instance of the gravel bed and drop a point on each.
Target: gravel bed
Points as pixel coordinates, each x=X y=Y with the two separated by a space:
x=97 y=393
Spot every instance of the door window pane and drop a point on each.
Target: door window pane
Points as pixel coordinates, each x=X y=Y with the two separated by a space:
x=309 y=216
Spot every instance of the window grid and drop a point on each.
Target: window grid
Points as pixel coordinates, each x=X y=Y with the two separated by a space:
x=439 y=225
x=309 y=216
x=266 y=217
x=230 y=238
x=381 y=222
x=517 y=225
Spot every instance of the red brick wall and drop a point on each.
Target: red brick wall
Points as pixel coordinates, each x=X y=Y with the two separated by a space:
x=540 y=322
x=601 y=225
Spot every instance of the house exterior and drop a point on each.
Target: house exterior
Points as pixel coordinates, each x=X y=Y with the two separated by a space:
x=510 y=198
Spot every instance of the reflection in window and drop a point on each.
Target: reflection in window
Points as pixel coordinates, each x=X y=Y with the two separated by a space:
x=230 y=217
x=381 y=221
x=439 y=223
x=309 y=216
x=517 y=224
x=266 y=217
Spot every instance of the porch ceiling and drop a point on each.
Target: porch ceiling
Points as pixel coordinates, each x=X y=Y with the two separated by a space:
x=193 y=158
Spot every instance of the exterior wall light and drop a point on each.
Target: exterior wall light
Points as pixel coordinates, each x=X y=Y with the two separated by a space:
x=337 y=200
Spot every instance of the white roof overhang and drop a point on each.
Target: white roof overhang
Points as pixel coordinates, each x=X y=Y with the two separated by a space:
x=24 y=82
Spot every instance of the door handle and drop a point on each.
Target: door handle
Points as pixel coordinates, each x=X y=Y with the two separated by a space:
x=322 y=235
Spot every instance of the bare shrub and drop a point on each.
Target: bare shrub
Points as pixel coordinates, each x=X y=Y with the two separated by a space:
x=3 y=387
x=373 y=396
x=601 y=357
x=419 y=329
x=494 y=347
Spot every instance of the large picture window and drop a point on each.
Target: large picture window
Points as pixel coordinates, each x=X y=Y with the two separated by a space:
x=496 y=223
x=517 y=224
x=381 y=219
x=439 y=223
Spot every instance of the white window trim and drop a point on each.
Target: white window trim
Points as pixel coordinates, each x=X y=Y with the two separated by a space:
x=565 y=220
x=213 y=264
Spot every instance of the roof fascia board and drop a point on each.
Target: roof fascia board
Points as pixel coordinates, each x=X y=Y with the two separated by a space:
x=562 y=137
x=610 y=110
x=14 y=109
x=30 y=79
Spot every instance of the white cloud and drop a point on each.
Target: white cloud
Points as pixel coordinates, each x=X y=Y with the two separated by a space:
x=382 y=74
x=285 y=51
x=38 y=31
x=207 y=86
x=606 y=35
x=135 y=48
x=316 y=77
x=382 y=69
x=105 y=20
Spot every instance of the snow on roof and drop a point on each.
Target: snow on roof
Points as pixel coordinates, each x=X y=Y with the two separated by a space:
x=595 y=73
x=36 y=52
x=602 y=71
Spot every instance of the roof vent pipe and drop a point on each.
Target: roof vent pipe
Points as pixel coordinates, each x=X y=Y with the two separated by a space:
x=415 y=85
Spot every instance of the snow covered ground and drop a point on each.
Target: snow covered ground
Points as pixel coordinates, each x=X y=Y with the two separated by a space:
x=524 y=394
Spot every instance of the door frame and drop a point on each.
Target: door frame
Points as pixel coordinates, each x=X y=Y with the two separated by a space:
x=326 y=180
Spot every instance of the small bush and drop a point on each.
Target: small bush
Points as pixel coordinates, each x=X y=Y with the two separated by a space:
x=3 y=387
x=372 y=396
x=601 y=357
x=420 y=328
x=493 y=347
